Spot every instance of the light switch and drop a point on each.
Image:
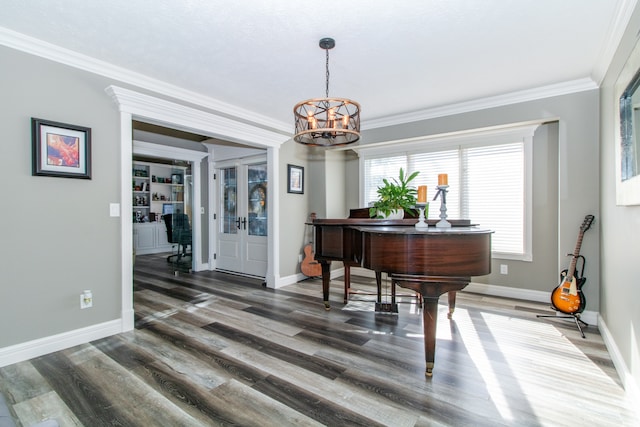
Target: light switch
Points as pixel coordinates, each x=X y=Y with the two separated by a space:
x=114 y=209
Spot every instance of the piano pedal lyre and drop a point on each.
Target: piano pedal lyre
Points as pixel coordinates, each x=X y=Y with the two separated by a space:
x=386 y=307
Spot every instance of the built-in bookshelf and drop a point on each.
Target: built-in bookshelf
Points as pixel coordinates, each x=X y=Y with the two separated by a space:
x=158 y=189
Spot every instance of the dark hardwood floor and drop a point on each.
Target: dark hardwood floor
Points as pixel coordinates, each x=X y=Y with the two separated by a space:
x=216 y=349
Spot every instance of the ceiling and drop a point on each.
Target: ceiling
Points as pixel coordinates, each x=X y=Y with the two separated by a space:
x=262 y=57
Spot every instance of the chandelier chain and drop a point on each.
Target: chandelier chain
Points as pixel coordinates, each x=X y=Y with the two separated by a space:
x=327 y=65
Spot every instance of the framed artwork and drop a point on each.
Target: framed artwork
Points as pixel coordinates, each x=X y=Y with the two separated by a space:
x=60 y=149
x=627 y=124
x=295 y=179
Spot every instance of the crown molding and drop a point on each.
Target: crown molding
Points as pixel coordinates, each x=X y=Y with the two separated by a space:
x=506 y=133
x=33 y=46
x=55 y=53
x=161 y=111
x=549 y=91
x=617 y=27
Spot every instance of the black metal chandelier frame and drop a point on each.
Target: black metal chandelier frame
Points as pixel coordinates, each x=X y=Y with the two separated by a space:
x=327 y=122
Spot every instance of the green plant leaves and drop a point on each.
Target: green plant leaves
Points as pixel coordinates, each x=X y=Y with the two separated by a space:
x=395 y=194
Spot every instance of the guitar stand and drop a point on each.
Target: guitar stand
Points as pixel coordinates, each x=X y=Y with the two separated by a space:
x=575 y=317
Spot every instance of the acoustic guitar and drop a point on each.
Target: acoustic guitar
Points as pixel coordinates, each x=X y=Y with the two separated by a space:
x=310 y=267
x=567 y=297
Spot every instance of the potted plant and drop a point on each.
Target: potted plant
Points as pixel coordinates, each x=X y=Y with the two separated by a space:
x=395 y=195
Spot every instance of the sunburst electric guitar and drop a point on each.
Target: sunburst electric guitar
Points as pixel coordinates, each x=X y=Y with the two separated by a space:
x=567 y=297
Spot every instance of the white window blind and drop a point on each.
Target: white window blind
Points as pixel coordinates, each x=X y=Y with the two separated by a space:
x=375 y=170
x=487 y=182
x=493 y=179
x=430 y=165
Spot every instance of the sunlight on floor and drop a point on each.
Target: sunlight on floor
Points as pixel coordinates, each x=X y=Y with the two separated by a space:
x=483 y=363
x=527 y=361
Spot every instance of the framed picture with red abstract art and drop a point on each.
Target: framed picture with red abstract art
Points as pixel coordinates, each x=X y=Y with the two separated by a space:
x=60 y=149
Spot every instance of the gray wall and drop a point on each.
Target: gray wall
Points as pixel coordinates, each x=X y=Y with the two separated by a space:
x=58 y=238
x=565 y=182
x=539 y=273
x=620 y=230
x=294 y=208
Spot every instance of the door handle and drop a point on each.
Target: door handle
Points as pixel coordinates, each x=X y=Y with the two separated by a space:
x=244 y=223
x=238 y=223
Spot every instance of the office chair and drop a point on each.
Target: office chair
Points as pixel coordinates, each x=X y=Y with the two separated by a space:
x=178 y=232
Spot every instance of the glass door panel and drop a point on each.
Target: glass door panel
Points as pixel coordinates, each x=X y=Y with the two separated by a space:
x=229 y=200
x=257 y=199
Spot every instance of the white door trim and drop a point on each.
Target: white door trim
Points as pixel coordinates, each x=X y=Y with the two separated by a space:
x=242 y=238
x=134 y=105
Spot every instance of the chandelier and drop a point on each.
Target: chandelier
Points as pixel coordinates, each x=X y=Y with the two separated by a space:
x=327 y=122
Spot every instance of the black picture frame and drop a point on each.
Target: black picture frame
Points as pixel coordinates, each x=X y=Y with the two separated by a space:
x=60 y=149
x=295 y=179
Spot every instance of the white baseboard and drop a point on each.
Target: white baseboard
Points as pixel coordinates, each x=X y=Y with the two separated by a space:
x=289 y=280
x=628 y=381
x=295 y=278
x=36 y=348
x=590 y=317
x=29 y=350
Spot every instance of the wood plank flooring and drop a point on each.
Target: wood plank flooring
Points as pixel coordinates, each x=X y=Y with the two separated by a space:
x=215 y=349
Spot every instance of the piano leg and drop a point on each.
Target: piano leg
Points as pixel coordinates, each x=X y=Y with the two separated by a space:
x=431 y=288
x=452 y=303
x=430 y=325
x=326 y=278
x=347 y=282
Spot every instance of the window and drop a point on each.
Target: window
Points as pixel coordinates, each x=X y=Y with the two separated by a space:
x=489 y=180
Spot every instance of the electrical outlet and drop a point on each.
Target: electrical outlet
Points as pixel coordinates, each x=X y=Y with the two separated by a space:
x=86 y=300
x=299 y=257
x=504 y=269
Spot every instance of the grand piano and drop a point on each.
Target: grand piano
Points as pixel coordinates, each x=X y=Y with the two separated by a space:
x=431 y=262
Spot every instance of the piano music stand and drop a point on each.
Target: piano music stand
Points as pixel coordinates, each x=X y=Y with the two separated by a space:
x=380 y=307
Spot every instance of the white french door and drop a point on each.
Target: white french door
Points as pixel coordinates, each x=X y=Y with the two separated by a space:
x=242 y=233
